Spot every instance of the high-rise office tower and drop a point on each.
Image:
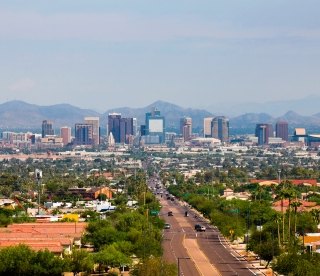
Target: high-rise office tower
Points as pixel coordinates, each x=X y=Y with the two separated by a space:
x=47 y=128
x=220 y=128
x=121 y=128
x=186 y=128
x=95 y=121
x=207 y=127
x=83 y=134
x=282 y=130
x=126 y=129
x=65 y=134
x=155 y=125
x=263 y=132
x=114 y=126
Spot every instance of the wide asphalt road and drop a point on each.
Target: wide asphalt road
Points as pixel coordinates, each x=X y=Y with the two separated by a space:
x=199 y=253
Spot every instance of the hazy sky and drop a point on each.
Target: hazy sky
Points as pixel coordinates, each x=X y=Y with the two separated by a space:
x=102 y=54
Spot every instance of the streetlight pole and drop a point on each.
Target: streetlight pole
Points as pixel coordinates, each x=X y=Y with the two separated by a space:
x=181 y=258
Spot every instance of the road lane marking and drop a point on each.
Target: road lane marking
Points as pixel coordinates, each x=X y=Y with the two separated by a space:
x=221 y=242
x=252 y=272
x=199 y=258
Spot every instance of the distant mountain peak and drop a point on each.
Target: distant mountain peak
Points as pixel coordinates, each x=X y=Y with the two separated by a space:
x=291 y=113
x=158 y=104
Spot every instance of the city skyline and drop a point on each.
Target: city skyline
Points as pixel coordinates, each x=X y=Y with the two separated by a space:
x=101 y=55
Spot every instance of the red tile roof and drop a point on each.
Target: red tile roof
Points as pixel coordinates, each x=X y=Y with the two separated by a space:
x=306 y=205
x=53 y=236
x=312 y=182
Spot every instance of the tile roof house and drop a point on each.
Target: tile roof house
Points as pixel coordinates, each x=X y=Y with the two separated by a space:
x=305 y=205
x=306 y=182
x=56 y=237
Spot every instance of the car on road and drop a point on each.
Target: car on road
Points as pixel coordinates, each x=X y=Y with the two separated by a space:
x=167 y=226
x=199 y=228
x=170 y=214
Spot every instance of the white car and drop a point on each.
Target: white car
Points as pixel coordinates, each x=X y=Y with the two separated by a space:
x=167 y=226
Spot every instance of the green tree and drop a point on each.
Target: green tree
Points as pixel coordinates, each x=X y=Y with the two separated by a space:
x=110 y=256
x=263 y=244
x=16 y=260
x=316 y=215
x=21 y=260
x=267 y=250
x=46 y=263
x=296 y=264
x=154 y=267
x=80 y=261
x=5 y=220
x=103 y=236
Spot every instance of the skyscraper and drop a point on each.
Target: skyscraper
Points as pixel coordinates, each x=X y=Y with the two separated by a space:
x=282 y=130
x=126 y=129
x=83 y=134
x=186 y=128
x=65 y=134
x=207 y=127
x=94 y=121
x=220 y=128
x=114 y=126
x=121 y=128
x=263 y=132
x=155 y=125
x=47 y=128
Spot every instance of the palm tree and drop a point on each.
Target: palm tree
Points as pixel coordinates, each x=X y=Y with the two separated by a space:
x=281 y=196
x=289 y=194
x=295 y=204
x=277 y=218
x=285 y=191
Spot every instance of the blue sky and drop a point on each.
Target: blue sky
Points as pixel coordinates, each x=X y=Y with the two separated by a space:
x=113 y=53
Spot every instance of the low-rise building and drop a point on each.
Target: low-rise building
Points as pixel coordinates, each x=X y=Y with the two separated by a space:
x=57 y=237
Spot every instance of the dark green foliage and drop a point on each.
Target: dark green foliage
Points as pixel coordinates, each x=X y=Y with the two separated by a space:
x=128 y=232
x=264 y=244
x=21 y=260
x=79 y=261
x=154 y=267
x=292 y=263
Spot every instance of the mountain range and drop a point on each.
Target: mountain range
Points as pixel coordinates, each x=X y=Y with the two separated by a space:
x=22 y=115
x=307 y=105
